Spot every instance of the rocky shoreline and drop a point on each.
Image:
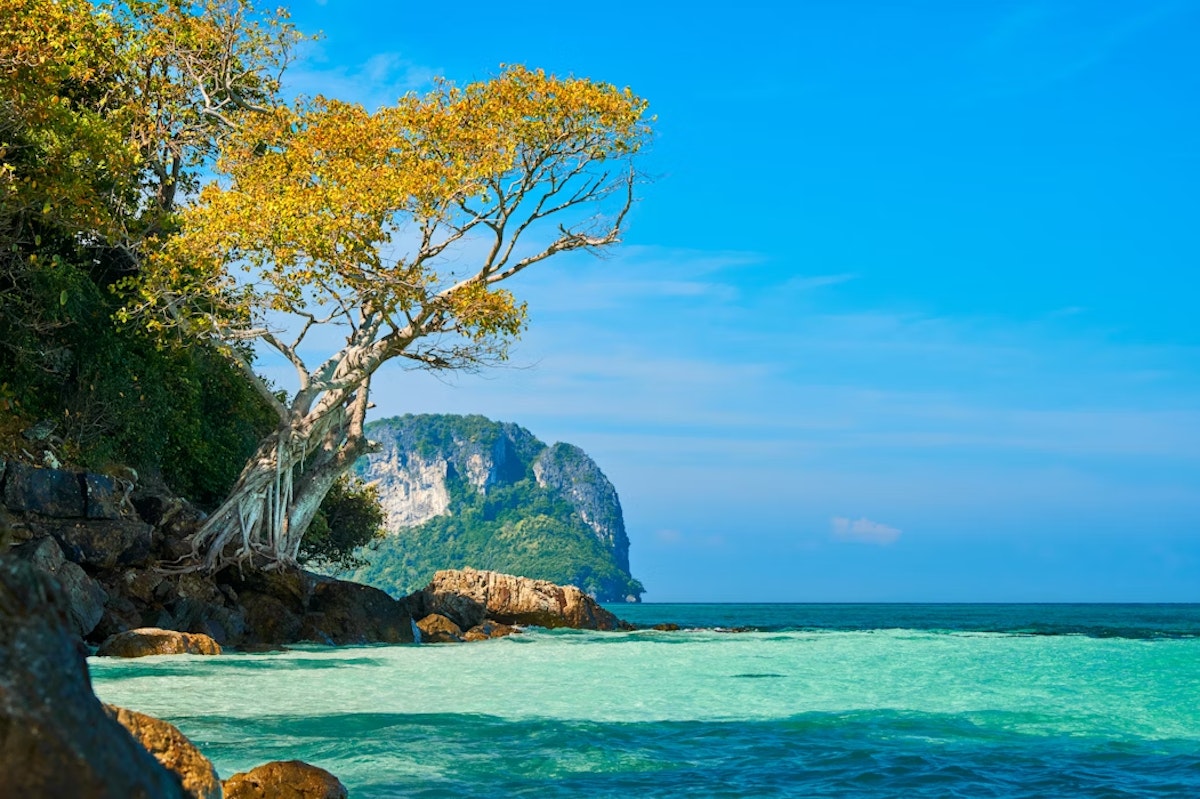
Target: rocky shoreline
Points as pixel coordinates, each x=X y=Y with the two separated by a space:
x=84 y=562
x=110 y=546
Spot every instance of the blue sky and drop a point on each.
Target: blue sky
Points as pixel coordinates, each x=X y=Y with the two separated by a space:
x=908 y=312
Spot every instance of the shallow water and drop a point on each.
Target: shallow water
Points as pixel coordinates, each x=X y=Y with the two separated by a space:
x=858 y=701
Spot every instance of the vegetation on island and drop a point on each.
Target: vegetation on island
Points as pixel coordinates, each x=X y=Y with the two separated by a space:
x=134 y=295
x=516 y=523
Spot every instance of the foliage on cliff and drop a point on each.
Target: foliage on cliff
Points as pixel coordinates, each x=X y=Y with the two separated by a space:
x=516 y=524
x=99 y=132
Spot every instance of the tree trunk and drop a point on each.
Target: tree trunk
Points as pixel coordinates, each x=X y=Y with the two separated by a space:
x=276 y=497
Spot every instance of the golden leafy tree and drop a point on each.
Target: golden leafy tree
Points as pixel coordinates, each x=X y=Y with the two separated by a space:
x=107 y=111
x=395 y=228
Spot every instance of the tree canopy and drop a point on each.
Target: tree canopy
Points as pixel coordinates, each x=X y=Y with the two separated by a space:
x=393 y=226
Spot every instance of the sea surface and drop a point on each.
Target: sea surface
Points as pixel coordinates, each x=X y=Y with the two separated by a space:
x=746 y=701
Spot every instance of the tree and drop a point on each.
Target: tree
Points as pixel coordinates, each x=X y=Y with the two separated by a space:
x=350 y=518
x=108 y=112
x=395 y=228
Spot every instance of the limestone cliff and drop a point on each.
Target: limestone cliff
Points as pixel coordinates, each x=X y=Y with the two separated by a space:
x=465 y=491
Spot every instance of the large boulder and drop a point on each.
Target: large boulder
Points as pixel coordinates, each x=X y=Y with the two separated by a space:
x=154 y=641
x=102 y=544
x=84 y=596
x=286 y=779
x=489 y=629
x=49 y=492
x=437 y=629
x=55 y=738
x=172 y=749
x=285 y=606
x=468 y=597
x=341 y=613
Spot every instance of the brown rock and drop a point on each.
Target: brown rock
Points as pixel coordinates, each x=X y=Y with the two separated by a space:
x=288 y=779
x=468 y=596
x=271 y=620
x=341 y=613
x=55 y=739
x=437 y=629
x=154 y=641
x=489 y=629
x=173 y=750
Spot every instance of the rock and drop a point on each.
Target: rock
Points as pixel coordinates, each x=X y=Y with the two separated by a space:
x=271 y=620
x=154 y=641
x=173 y=750
x=99 y=543
x=173 y=519
x=120 y=615
x=489 y=629
x=55 y=738
x=223 y=624
x=84 y=597
x=343 y=613
x=666 y=628
x=288 y=779
x=468 y=596
x=104 y=497
x=49 y=492
x=437 y=629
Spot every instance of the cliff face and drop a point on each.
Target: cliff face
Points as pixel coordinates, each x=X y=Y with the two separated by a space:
x=420 y=453
x=464 y=491
x=567 y=469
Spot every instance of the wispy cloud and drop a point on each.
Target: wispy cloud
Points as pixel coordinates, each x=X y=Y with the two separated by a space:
x=379 y=80
x=1036 y=45
x=807 y=283
x=672 y=538
x=863 y=530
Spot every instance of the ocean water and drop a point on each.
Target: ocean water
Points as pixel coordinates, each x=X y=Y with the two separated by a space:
x=809 y=701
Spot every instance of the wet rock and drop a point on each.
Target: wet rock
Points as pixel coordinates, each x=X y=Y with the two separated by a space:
x=437 y=629
x=102 y=544
x=172 y=749
x=154 y=641
x=468 y=596
x=667 y=628
x=341 y=612
x=55 y=738
x=49 y=492
x=489 y=629
x=85 y=598
x=288 y=779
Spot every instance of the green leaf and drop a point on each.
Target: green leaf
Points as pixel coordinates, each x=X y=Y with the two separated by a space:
x=62 y=297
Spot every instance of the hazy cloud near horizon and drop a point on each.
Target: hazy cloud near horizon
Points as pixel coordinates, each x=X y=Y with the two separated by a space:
x=863 y=530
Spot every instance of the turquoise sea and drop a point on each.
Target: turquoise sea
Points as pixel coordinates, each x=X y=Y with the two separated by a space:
x=746 y=701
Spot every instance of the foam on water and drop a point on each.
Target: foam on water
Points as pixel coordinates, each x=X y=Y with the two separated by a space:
x=783 y=713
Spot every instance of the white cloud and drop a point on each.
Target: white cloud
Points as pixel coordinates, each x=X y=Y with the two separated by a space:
x=809 y=282
x=668 y=536
x=863 y=530
x=379 y=80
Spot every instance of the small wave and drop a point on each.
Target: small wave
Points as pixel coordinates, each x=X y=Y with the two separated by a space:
x=757 y=676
